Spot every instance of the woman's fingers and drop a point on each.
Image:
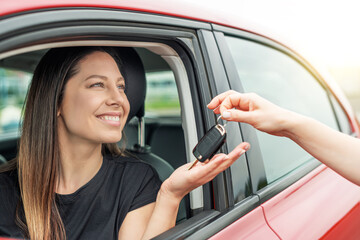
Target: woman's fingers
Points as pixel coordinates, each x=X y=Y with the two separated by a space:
x=222 y=163
x=219 y=163
x=229 y=100
x=216 y=101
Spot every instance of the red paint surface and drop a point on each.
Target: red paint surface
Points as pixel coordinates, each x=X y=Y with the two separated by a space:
x=251 y=226
x=170 y=8
x=318 y=206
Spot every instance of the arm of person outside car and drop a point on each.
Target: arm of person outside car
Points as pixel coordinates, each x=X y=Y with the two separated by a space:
x=335 y=149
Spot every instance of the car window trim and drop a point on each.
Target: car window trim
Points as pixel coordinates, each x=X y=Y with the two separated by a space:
x=254 y=157
x=53 y=15
x=223 y=188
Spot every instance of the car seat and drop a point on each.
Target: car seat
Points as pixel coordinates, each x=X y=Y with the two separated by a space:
x=135 y=82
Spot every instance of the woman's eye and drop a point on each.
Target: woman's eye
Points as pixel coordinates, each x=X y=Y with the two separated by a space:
x=98 y=84
x=121 y=86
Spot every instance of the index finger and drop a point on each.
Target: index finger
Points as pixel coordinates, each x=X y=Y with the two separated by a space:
x=216 y=101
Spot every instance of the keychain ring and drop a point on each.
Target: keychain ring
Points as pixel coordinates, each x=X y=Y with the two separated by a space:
x=225 y=122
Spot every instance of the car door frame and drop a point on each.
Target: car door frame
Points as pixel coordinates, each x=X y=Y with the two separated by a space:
x=41 y=26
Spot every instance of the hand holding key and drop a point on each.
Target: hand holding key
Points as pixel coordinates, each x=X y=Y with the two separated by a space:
x=209 y=144
x=182 y=181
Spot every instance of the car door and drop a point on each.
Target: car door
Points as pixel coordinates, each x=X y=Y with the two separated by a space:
x=300 y=198
x=189 y=49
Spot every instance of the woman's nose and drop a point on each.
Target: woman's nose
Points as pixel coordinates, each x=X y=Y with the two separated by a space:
x=116 y=96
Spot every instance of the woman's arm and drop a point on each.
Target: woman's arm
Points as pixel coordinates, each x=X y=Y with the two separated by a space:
x=153 y=219
x=180 y=183
x=335 y=149
x=338 y=151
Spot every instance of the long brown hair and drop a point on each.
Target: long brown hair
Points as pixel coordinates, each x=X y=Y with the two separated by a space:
x=38 y=159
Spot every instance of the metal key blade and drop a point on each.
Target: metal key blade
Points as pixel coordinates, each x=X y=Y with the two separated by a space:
x=194 y=163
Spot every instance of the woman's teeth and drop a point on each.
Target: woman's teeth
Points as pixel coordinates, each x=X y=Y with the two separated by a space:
x=111 y=118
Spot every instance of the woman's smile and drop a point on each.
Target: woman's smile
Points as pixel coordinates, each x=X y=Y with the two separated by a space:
x=112 y=118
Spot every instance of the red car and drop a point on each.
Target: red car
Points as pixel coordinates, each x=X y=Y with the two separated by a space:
x=276 y=190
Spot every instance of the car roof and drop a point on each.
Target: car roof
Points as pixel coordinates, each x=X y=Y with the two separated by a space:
x=175 y=8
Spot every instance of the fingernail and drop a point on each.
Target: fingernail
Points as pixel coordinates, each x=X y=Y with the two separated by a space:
x=247 y=147
x=226 y=114
x=241 y=152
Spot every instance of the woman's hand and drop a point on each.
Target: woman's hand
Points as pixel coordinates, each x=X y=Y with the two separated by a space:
x=182 y=180
x=254 y=110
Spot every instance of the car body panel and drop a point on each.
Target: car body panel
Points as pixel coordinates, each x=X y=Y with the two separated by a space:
x=177 y=8
x=251 y=226
x=314 y=205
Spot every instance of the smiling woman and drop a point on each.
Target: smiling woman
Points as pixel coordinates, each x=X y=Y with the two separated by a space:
x=94 y=106
x=70 y=180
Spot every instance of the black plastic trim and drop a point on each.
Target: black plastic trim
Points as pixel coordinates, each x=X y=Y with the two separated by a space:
x=92 y=32
x=216 y=72
x=253 y=156
x=226 y=218
x=190 y=226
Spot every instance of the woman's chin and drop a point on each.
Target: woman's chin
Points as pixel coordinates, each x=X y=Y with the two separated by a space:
x=112 y=139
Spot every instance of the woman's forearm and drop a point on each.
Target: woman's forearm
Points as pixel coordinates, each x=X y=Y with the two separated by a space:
x=164 y=215
x=339 y=151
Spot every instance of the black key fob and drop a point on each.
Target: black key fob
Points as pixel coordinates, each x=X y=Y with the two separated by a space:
x=210 y=143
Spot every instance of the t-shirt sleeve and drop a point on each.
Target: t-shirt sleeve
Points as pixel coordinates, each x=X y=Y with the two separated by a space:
x=147 y=189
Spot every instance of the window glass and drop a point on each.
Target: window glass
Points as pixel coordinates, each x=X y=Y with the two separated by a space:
x=13 y=88
x=282 y=80
x=162 y=95
x=341 y=116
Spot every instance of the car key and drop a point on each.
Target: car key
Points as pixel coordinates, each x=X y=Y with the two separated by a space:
x=209 y=144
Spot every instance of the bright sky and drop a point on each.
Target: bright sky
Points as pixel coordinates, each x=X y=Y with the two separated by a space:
x=329 y=30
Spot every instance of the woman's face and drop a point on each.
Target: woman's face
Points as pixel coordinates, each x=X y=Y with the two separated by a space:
x=94 y=106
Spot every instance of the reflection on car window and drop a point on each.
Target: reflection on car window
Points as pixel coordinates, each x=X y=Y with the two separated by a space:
x=341 y=116
x=162 y=95
x=13 y=88
x=280 y=79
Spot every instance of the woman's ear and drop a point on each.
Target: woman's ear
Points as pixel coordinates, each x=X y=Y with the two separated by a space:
x=58 y=114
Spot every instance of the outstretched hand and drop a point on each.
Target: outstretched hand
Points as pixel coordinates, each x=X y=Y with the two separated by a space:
x=252 y=109
x=182 y=180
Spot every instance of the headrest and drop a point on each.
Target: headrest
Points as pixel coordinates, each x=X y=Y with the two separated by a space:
x=135 y=81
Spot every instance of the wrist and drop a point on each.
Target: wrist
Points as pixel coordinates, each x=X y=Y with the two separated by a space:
x=164 y=195
x=292 y=123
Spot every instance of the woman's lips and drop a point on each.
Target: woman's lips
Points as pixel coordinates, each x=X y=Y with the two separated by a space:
x=113 y=119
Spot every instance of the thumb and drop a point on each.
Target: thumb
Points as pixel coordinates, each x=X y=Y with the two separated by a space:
x=236 y=115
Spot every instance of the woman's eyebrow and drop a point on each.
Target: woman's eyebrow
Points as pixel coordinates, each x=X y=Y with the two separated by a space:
x=103 y=77
x=96 y=76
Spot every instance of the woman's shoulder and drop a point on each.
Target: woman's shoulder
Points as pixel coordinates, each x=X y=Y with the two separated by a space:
x=8 y=178
x=9 y=186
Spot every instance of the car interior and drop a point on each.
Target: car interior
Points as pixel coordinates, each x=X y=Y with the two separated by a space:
x=154 y=133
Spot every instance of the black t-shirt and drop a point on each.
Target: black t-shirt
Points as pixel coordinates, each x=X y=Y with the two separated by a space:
x=97 y=209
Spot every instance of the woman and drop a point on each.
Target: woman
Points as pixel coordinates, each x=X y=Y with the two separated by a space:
x=62 y=183
x=339 y=151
